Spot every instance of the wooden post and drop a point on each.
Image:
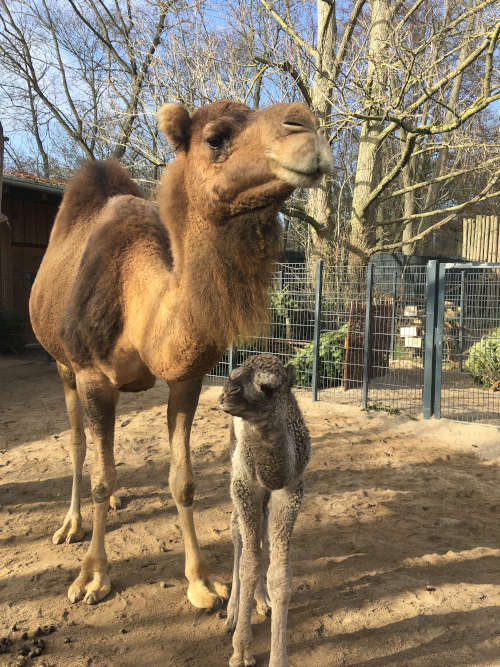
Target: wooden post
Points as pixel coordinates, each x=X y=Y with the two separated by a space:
x=480 y=237
x=473 y=239
x=483 y=238
x=477 y=235
x=496 y=234
x=487 y=254
x=466 y=238
x=484 y=251
x=492 y=244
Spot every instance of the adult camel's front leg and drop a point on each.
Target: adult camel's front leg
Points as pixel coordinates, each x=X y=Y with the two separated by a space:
x=183 y=399
x=98 y=399
x=71 y=529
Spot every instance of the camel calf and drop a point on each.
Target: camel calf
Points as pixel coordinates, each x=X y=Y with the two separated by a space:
x=270 y=447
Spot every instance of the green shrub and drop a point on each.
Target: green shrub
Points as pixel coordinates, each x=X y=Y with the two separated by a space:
x=331 y=357
x=282 y=305
x=12 y=332
x=484 y=359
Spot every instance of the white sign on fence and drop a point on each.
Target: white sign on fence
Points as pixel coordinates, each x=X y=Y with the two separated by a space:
x=413 y=342
x=408 y=331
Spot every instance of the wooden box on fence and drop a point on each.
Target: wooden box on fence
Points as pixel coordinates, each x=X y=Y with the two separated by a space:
x=380 y=342
x=413 y=331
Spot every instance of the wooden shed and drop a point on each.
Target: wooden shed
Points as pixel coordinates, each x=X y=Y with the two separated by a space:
x=28 y=209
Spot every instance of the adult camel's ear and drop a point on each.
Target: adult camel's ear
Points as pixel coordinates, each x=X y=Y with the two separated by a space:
x=174 y=120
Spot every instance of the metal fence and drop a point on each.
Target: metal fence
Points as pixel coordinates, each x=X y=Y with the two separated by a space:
x=467 y=342
x=404 y=339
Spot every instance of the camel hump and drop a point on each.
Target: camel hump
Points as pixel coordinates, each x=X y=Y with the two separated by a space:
x=92 y=185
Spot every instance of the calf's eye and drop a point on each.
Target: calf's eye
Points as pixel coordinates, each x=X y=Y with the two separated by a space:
x=267 y=390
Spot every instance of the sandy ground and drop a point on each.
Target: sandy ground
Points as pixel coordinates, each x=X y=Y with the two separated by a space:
x=396 y=554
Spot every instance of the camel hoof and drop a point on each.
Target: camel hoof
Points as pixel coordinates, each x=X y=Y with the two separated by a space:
x=91 y=589
x=248 y=661
x=200 y=596
x=70 y=531
x=232 y=616
x=115 y=502
x=263 y=608
x=222 y=590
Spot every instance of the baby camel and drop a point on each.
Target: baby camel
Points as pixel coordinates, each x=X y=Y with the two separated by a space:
x=270 y=448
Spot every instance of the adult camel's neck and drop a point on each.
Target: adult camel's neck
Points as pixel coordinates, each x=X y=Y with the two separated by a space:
x=217 y=291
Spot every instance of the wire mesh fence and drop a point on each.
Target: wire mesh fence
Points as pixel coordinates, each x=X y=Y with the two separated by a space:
x=470 y=363
x=290 y=325
x=395 y=363
x=372 y=336
x=397 y=338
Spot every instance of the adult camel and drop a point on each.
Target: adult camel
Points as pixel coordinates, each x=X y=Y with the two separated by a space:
x=129 y=291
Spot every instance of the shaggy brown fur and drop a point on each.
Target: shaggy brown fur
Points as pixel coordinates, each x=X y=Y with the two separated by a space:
x=128 y=291
x=93 y=317
x=93 y=184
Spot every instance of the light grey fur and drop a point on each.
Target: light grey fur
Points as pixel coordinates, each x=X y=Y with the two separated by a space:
x=270 y=448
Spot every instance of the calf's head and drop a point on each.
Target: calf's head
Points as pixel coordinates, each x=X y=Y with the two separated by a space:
x=257 y=388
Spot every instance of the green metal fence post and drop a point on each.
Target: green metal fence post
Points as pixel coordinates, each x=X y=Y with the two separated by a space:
x=431 y=288
x=367 y=336
x=438 y=341
x=317 y=328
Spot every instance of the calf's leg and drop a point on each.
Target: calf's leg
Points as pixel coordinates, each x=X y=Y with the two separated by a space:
x=247 y=499
x=285 y=506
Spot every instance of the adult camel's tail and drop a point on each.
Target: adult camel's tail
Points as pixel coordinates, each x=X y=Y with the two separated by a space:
x=91 y=186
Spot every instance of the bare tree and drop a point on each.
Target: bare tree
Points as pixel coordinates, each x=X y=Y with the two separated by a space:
x=405 y=94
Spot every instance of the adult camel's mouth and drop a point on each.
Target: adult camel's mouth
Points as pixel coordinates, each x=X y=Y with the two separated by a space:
x=299 y=178
x=305 y=172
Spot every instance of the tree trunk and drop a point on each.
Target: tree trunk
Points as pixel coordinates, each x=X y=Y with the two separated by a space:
x=408 y=205
x=362 y=234
x=319 y=205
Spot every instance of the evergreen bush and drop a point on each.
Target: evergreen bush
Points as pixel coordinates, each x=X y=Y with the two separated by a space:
x=483 y=361
x=331 y=357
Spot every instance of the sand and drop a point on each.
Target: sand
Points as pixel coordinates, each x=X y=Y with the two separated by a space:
x=396 y=554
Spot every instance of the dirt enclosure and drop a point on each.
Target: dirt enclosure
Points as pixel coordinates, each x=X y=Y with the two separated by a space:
x=396 y=554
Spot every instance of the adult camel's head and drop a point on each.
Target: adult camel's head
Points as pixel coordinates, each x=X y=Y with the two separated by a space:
x=232 y=160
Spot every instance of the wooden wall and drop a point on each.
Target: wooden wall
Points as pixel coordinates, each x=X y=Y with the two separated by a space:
x=30 y=214
x=481 y=238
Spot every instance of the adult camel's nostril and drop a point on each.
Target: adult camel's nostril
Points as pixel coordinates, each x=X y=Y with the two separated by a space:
x=294 y=124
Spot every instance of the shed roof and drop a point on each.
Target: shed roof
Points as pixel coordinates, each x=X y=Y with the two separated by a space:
x=32 y=182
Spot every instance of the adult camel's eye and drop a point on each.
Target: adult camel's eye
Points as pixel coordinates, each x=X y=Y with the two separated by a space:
x=216 y=142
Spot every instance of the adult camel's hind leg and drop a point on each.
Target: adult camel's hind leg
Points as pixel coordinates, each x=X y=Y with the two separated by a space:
x=71 y=529
x=183 y=399
x=98 y=399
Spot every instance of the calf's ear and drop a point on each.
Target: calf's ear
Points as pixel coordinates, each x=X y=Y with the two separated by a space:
x=174 y=120
x=290 y=373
